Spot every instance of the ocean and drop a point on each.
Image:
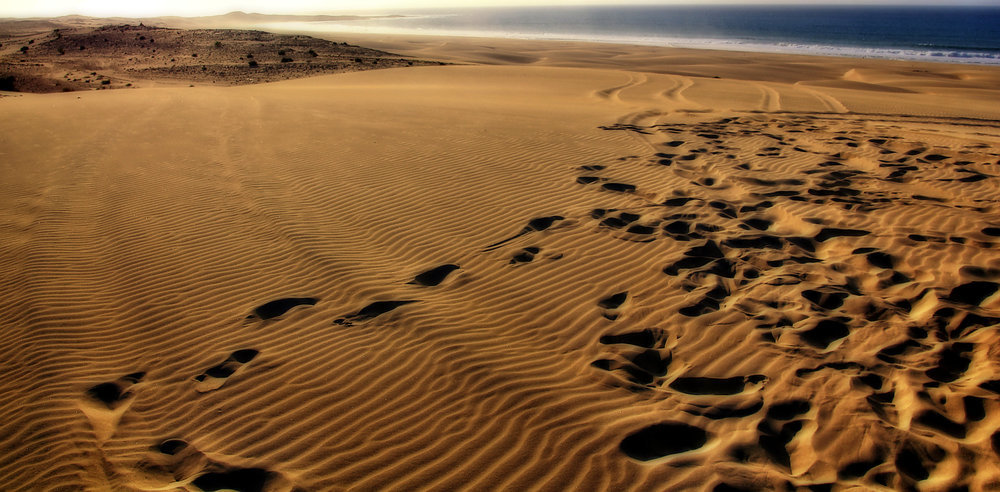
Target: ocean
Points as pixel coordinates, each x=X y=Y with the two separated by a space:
x=946 y=34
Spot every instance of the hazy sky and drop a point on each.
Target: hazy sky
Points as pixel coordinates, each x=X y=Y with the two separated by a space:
x=137 y=8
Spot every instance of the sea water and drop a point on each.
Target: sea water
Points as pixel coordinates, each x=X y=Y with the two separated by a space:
x=965 y=34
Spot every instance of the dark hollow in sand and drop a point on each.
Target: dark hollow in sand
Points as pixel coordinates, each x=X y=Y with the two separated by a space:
x=241 y=479
x=435 y=275
x=172 y=446
x=727 y=411
x=619 y=187
x=787 y=410
x=229 y=366
x=276 y=308
x=709 y=386
x=708 y=250
x=243 y=356
x=613 y=301
x=644 y=338
x=107 y=393
x=664 y=439
x=378 y=308
x=112 y=392
x=832 y=232
x=973 y=293
x=651 y=362
x=536 y=224
x=825 y=332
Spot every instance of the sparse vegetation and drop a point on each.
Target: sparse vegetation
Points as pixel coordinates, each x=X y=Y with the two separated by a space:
x=56 y=54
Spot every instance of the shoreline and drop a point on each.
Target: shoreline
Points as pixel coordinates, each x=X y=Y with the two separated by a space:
x=776 y=48
x=890 y=76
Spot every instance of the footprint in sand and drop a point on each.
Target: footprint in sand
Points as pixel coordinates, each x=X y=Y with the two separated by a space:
x=641 y=357
x=115 y=393
x=534 y=225
x=215 y=377
x=779 y=428
x=371 y=311
x=697 y=386
x=619 y=187
x=176 y=463
x=525 y=255
x=611 y=305
x=709 y=303
x=106 y=402
x=279 y=307
x=628 y=224
x=434 y=276
x=663 y=439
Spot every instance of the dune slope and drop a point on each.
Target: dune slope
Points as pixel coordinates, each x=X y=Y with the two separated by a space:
x=500 y=278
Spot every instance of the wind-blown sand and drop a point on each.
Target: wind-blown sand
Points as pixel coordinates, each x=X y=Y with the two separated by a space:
x=535 y=276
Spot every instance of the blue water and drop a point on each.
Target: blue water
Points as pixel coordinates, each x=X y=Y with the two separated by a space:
x=952 y=34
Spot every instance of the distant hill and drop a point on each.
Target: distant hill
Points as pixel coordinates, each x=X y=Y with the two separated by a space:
x=36 y=57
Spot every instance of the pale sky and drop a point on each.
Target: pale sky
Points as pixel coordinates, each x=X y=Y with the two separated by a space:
x=149 y=8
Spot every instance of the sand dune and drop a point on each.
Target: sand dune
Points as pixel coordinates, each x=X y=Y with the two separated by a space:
x=507 y=277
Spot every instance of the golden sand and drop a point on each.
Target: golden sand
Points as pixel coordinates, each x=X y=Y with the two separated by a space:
x=625 y=268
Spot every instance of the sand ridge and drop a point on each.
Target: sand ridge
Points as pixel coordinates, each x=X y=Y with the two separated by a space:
x=502 y=278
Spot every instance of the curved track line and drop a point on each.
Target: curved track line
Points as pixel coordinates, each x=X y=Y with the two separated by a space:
x=770 y=100
x=830 y=102
x=614 y=93
x=676 y=93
